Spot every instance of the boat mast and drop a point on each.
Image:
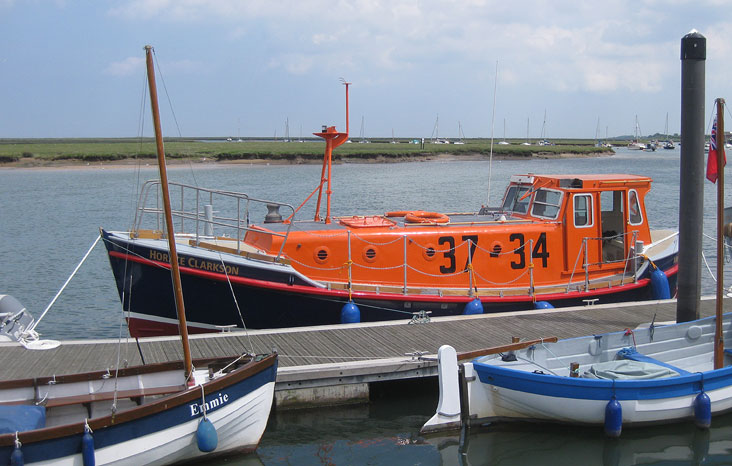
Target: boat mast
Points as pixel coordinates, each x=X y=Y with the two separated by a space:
x=174 y=269
x=333 y=139
x=718 y=334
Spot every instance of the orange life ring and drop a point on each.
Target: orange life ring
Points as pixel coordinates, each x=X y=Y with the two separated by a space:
x=420 y=216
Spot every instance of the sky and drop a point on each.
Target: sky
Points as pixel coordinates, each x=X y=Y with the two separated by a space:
x=564 y=68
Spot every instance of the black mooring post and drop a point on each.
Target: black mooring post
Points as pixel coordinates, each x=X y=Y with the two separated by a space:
x=691 y=193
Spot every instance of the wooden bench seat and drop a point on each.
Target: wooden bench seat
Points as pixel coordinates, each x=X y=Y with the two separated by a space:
x=101 y=396
x=109 y=395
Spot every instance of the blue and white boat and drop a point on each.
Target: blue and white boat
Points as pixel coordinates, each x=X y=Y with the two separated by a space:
x=652 y=375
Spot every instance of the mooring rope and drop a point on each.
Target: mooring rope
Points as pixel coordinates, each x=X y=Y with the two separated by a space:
x=236 y=303
x=35 y=324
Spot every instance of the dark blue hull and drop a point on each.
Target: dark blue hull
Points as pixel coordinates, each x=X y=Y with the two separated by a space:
x=275 y=299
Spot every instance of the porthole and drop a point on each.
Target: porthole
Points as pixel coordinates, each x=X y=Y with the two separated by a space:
x=321 y=254
x=369 y=253
x=429 y=252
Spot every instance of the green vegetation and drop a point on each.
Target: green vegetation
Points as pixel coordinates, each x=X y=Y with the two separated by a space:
x=109 y=150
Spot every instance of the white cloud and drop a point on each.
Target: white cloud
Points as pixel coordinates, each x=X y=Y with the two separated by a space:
x=589 y=46
x=133 y=65
x=126 y=67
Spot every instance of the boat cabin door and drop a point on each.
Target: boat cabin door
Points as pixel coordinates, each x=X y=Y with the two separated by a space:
x=612 y=220
x=581 y=231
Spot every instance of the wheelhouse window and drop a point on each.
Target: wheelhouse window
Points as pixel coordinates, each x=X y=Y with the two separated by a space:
x=517 y=199
x=546 y=203
x=634 y=212
x=583 y=211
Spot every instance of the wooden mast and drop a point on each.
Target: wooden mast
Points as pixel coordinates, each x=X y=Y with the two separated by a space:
x=174 y=269
x=718 y=334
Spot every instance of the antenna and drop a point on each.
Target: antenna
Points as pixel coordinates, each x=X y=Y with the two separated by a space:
x=346 y=83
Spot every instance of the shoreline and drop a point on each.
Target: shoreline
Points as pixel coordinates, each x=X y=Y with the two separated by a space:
x=40 y=164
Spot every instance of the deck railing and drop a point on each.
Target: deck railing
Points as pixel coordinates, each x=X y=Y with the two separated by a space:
x=206 y=213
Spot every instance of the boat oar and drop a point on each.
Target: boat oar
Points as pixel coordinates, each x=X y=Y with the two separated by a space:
x=504 y=348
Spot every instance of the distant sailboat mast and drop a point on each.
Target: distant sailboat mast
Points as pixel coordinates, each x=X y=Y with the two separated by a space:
x=361 y=135
x=436 y=130
x=543 y=127
x=493 y=120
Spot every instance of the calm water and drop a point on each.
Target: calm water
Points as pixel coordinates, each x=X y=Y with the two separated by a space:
x=49 y=218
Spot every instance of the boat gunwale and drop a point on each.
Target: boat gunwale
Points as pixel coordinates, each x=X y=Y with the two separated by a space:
x=560 y=386
x=122 y=372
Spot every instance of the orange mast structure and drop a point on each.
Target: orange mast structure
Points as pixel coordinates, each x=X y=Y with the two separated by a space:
x=333 y=139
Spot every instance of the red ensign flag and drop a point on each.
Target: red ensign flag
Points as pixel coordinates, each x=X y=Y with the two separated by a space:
x=712 y=159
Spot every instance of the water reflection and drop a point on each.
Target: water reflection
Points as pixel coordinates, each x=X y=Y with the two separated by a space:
x=513 y=444
x=386 y=431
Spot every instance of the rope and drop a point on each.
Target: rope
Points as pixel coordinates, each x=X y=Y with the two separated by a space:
x=398 y=239
x=236 y=303
x=471 y=271
x=203 y=399
x=502 y=283
x=711 y=274
x=348 y=264
x=221 y=371
x=534 y=363
x=35 y=324
x=170 y=102
x=119 y=346
x=548 y=350
x=399 y=266
x=329 y=269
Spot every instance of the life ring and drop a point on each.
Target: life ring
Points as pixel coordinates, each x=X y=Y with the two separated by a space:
x=420 y=216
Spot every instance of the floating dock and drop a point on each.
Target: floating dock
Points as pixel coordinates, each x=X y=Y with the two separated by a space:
x=337 y=364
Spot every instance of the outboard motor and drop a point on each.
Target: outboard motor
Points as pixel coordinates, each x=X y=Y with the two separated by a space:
x=14 y=319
